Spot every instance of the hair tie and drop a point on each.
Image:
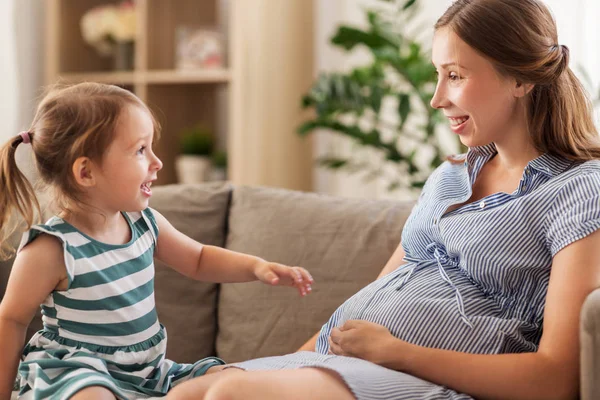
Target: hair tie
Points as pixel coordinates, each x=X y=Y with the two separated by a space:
x=26 y=136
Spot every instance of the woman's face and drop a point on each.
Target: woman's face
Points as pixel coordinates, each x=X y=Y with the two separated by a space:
x=480 y=104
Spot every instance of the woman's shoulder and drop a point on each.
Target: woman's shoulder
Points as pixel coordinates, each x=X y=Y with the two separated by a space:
x=591 y=168
x=580 y=173
x=576 y=185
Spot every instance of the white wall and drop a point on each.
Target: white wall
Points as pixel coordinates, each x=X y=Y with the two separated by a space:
x=9 y=108
x=21 y=68
x=577 y=27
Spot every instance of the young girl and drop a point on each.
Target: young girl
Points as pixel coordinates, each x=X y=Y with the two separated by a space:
x=91 y=266
x=482 y=297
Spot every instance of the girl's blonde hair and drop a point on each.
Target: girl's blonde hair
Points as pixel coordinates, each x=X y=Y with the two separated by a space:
x=71 y=121
x=520 y=38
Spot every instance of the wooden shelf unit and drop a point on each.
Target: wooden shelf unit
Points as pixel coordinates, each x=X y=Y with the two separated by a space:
x=179 y=98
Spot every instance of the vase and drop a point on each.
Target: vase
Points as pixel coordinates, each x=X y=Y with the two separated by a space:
x=192 y=169
x=123 y=56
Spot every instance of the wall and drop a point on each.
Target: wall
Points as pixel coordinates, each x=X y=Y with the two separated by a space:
x=21 y=67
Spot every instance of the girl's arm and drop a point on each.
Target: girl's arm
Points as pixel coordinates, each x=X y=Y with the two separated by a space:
x=37 y=270
x=550 y=373
x=394 y=262
x=215 y=264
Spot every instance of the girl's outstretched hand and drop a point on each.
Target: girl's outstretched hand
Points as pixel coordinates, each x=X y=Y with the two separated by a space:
x=279 y=274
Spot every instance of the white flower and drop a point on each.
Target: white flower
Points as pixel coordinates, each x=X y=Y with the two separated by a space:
x=102 y=26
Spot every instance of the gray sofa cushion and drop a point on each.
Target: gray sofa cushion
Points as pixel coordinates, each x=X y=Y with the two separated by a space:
x=199 y=211
x=344 y=243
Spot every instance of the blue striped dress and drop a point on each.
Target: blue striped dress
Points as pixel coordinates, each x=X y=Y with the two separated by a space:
x=103 y=330
x=475 y=278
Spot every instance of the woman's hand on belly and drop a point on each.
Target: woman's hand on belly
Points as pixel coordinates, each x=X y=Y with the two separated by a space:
x=362 y=339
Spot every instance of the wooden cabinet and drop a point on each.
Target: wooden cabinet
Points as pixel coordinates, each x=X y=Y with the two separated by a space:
x=182 y=98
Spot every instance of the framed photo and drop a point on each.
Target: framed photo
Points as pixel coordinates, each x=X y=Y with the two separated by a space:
x=198 y=48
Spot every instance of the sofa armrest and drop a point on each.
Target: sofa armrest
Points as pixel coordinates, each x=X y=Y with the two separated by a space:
x=590 y=347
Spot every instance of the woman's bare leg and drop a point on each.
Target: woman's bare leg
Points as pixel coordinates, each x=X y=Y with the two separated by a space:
x=294 y=384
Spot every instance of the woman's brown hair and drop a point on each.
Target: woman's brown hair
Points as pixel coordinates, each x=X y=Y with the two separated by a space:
x=519 y=38
x=71 y=121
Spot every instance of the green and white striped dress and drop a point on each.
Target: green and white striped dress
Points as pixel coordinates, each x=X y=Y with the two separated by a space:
x=103 y=330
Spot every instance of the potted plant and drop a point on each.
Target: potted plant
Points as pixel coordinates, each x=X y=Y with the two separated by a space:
x=111 y=30
x=351 y=103
x=194 y=163
x=219 y=166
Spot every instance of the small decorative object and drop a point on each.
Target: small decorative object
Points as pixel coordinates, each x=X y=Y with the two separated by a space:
x=193 y=165
x=198 y=48
x=111 y=30
x=218 y=171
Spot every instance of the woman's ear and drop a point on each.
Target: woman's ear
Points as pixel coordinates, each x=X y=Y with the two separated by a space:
x=522 y=89
x=83 y=172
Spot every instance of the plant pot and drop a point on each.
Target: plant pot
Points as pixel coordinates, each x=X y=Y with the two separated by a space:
x=217 y=174
x=192 y=169
x=123 y=56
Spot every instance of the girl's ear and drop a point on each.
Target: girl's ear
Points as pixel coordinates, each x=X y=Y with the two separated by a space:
x=83 y=172
x=522 y=89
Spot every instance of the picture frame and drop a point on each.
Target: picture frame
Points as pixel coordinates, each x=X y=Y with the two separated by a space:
x=198 y=48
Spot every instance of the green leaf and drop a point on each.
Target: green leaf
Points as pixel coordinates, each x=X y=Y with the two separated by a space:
x=418 y=184
x=333 y=163
x=348 y=38
x=403 y=108
x=306 y=128
x=376 y=98
x=408 y=4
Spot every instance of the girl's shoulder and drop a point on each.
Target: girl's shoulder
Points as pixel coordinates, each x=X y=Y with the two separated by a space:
x=53 y=227
x=143 y=221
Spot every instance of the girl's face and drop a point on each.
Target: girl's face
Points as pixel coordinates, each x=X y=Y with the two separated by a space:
x=129 y=166
x=480 y=104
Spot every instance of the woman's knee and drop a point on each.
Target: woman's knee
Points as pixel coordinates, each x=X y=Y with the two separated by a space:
x=232 y=387
x=294 y=384
x=197 y=388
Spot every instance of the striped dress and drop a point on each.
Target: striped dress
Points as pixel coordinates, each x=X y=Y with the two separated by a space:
x=475 y=278
x=103 y=330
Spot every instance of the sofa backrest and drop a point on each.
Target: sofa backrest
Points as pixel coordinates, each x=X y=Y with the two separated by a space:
x=185 y=307
x=344 y=243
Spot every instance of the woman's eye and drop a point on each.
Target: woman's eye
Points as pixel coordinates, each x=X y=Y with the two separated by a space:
x=453 y=76
x=141 y=150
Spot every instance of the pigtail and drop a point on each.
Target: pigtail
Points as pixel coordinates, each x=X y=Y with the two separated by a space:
x=16 y=193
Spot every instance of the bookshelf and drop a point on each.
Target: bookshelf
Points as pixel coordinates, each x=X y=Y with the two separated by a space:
x=179 y=98
x=182 y=98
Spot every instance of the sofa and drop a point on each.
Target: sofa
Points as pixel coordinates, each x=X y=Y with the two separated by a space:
x=344 y=243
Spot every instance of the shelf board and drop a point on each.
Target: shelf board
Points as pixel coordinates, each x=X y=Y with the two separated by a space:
x=167 y=76
x=119 y=78
x=187 y=76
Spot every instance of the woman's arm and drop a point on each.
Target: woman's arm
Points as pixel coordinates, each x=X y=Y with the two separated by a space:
x=215 y=264
x=37 y=270
x=550 y=373
x=394 y=262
